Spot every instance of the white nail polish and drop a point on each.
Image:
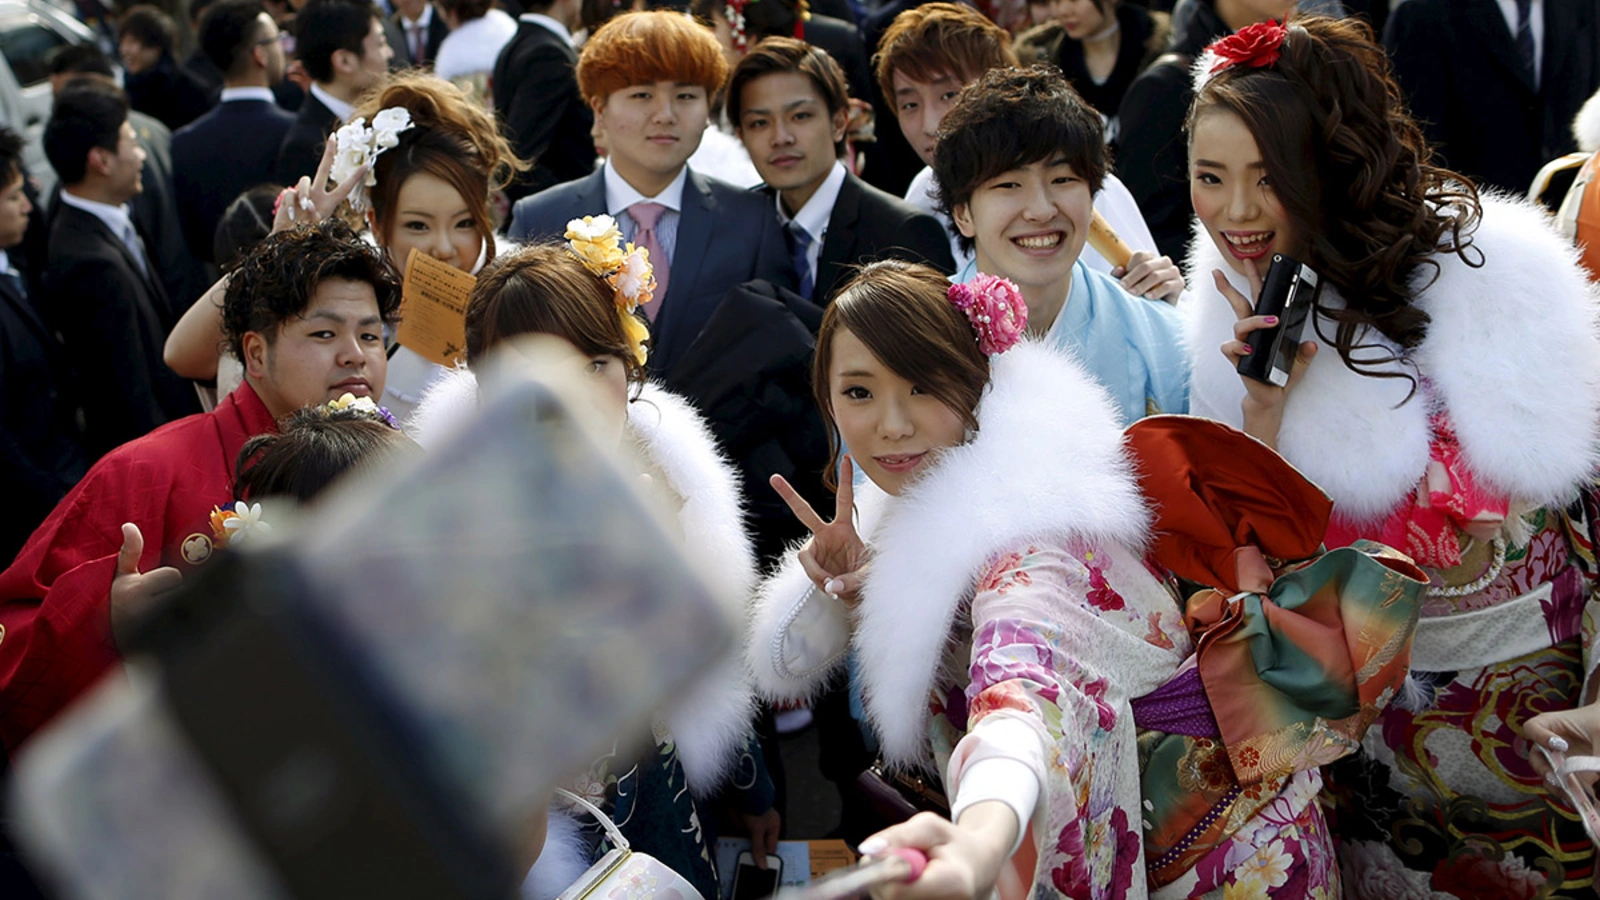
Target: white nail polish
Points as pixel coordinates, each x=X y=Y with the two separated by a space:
x=833 y=587
x=873 y=845
x=1558 y=744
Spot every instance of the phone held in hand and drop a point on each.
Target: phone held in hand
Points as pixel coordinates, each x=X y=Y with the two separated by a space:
x=1289 y=292
x=750 y=882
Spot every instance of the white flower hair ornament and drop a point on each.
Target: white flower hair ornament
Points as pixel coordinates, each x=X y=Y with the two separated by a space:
x=356 y=145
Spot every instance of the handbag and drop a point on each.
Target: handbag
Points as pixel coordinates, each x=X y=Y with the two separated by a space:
x=897 y=796
x=623 y=874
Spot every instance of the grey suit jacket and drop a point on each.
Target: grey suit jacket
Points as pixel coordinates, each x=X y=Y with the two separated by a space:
x=726 y=236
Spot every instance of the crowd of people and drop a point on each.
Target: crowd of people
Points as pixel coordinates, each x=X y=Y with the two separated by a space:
x=1095 y=615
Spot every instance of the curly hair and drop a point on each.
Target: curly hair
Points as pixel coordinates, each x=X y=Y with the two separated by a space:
x=543 y=289
x=646 y=47
x=1012 y=118
x=452 y=138
x=313 y=448
x=277 y=278
x=902 y=312
x=1354 y=175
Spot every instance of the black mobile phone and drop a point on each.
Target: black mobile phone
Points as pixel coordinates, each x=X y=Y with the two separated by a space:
x=1288 y=292
x=753 y=883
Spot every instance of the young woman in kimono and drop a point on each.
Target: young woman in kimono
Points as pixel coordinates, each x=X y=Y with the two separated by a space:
x=988 y=577
x=587 y=293
x=1447 y=399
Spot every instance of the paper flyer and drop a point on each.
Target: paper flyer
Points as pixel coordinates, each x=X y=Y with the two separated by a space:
x=433 y=310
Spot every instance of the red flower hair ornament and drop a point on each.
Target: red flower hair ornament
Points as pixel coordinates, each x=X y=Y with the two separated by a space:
x=996 y=310
x=1253 y=46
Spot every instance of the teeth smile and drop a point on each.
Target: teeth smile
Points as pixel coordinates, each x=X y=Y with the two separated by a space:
x=1250 y=242
x=1039 y=242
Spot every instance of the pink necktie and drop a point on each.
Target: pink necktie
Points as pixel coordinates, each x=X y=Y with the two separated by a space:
x=646 y=216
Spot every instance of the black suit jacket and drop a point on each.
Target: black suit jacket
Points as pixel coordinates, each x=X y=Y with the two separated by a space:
x=155 y=210
x=220 y=155
x=168 y=92
x=114 y=321
x=41 y=451
x=403 y=57
x=868 y=225
x=301 y=150
x=726 y=236
x=535 y=87
x=1476 y=102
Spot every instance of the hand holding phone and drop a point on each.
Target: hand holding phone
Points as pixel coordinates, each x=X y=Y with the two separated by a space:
x=1287 y=294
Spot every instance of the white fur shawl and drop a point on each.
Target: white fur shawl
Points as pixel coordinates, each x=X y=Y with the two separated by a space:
x=1047 y=462
x=1511 y=350
x=1586 y=125
x=712 y=719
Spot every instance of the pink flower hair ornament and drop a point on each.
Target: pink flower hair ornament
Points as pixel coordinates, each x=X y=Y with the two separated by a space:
x=996 y=310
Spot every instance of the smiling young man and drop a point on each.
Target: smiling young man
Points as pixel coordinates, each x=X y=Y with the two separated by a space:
x=305 y=313
x=1020 y=159
x=649 y=77
x=789 y=103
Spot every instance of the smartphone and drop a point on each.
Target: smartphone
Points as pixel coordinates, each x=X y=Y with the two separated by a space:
x=751 y=882
x=1288 y=292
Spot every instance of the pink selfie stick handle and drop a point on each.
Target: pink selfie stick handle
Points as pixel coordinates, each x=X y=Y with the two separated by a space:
x=916 y=859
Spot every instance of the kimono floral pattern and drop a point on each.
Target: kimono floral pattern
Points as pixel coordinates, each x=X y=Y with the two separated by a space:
x=1063 y=637
x=1442 y=802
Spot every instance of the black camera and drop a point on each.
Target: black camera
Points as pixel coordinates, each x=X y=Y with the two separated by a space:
x=1289 y=292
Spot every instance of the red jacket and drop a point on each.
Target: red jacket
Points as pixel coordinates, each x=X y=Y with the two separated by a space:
x=55 y=622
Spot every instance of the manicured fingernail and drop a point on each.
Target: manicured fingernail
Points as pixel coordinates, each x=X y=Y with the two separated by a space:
x=1247 y=351
x=1558 y=744
x=1271 y=320
x=833 y=586
x=873 y=845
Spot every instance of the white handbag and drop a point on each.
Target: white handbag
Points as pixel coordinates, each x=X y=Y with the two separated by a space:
x=623 y=874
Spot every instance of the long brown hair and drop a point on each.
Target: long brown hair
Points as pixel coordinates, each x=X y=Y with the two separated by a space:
x=902 y=312
x=544 y=289
x=1354 y=175
x=452 y=138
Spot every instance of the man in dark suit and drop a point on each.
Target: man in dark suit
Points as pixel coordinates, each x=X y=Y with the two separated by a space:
x=235 y=146
x=422 y=29
x=711 y=235
x=156 y=82
x=41 y=451
x=788 y=101
x=535 y=88
x=1496 y=85
x=101 y=288
x=341 y=43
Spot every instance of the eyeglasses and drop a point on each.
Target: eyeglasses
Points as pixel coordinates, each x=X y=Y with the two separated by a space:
x=282 y=38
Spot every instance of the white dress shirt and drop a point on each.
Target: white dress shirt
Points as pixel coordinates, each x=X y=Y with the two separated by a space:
x=341 y=110
x=814 y=216
x=620 y=195
x=229 y=95
x=549 y=23
x=117 y=219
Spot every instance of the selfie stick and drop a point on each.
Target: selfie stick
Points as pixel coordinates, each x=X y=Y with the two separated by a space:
x=899 y=865
x=1105 y=241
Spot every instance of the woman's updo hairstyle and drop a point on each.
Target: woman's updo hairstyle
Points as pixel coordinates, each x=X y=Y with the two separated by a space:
x=1354 y=175
x=543 y=289
x=902 y=312
x=453 y=138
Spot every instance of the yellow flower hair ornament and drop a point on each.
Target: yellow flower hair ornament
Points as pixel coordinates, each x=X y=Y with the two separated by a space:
x=597 y=243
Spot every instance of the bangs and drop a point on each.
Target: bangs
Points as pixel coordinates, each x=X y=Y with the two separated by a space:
x=647 y=47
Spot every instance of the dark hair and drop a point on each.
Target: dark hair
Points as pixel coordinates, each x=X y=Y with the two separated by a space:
x=1012 y=118
x=314 y=448
x=83 y=59
x=276 y=280
x=87 y=114
x=937 y=39
x=544 y=289
x=229 y=31
x=452 y=138
x=323 y=27
x=776 y=55
x=149 y=26
x=1354 y=175
x=902 y=312
x=197 y=8
x=10 y=156
x=467 y=10
x=246 y=221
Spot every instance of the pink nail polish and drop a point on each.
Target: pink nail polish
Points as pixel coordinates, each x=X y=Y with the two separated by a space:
x=1271 y=320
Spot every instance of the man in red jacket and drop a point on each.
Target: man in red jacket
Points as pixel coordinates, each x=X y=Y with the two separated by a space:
x=304 y=313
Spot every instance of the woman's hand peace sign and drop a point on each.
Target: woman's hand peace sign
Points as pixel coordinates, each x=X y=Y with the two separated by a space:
x=835 y=558
x=310 y=201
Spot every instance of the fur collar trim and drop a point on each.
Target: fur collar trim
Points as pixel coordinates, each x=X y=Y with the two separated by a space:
x=1586 y=126
x=1511 y=352
x=564 y=859
x=712 y=719
x=1047 y=463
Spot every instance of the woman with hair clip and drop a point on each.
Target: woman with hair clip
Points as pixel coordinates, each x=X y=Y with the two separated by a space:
x=418 y=162
x=587 y=292
x=1447 y=397
x=990 y=578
